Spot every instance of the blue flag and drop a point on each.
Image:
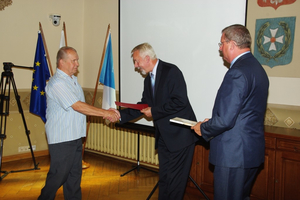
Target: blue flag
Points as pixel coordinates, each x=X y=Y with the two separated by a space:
x=107 y=78
x=40 y=76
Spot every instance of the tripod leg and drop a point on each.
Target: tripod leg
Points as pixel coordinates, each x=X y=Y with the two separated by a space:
x=153 y=190
x=134 y=168
x=197 y=186
x=23 y=118
x=1 y=152
x=3 y=102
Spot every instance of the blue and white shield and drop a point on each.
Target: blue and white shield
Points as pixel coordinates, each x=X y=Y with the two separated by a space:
x=274 y=40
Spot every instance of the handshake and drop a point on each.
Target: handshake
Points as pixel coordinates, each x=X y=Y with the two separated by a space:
x=112 y=114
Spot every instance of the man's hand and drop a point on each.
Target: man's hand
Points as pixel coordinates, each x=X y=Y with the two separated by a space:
x=112 y=115
x=147 y=111
x=197 y=128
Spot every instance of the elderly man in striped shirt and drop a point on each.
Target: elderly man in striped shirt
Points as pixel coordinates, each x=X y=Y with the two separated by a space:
x=66 y=125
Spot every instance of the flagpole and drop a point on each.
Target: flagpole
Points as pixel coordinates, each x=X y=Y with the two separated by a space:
x=65 y=33
x=96 y=87
x=46 y=49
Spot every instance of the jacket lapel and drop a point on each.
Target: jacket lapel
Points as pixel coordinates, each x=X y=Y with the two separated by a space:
x=157 y=77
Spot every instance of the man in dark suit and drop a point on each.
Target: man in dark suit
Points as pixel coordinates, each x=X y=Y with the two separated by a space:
x=236 y=128
x=167 y=99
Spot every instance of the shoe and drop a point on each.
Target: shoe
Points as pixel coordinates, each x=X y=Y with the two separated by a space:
x=85 y=165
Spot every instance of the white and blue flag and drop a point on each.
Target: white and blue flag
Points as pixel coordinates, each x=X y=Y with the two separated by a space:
x=107 y=77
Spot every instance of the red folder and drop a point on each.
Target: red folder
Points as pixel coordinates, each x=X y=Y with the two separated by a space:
x=133 y=106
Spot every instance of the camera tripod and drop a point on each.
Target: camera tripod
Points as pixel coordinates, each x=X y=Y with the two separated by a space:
x=7 y=79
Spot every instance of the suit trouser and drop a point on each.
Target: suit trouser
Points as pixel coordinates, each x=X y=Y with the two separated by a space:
x=233 y=183
x=174 y=169
x=65 y=169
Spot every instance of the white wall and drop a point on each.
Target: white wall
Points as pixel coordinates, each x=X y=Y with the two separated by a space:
x=86 y=25
x=97 y=16
x=19 y=24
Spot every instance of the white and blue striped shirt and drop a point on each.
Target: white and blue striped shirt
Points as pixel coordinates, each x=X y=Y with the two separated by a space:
x=63 y=123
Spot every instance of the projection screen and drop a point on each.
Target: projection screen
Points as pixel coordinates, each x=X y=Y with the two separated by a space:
x=185 y=33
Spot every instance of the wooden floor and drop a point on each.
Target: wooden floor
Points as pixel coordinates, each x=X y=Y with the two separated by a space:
x=101 y=181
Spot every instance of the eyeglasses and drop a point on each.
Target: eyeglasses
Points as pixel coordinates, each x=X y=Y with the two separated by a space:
x=221 y=43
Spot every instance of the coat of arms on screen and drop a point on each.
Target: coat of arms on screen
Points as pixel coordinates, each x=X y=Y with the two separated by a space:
x=274 y=40
x=274 y=3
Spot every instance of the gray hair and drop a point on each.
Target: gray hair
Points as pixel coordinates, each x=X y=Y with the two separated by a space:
x=239 y=34
x=63 y=53
x=145 y=49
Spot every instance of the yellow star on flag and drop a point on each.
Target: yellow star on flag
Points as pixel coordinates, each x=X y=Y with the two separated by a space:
x=42 y=93
x=35 y=87
x=37 y=63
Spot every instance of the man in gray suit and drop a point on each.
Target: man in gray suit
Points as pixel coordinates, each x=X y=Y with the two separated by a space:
x=236 y=128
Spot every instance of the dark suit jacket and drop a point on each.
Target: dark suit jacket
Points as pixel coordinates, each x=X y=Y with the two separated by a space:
x=170 y=101
x=236 y=129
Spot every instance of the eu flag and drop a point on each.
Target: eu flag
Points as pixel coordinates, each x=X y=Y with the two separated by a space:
x=40 y=76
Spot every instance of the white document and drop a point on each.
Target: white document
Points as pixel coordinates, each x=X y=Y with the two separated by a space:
x=182 y=121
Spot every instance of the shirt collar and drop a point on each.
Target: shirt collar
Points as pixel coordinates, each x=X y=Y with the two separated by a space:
x=238 y=57
x=155 y=68
x=62 y=73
